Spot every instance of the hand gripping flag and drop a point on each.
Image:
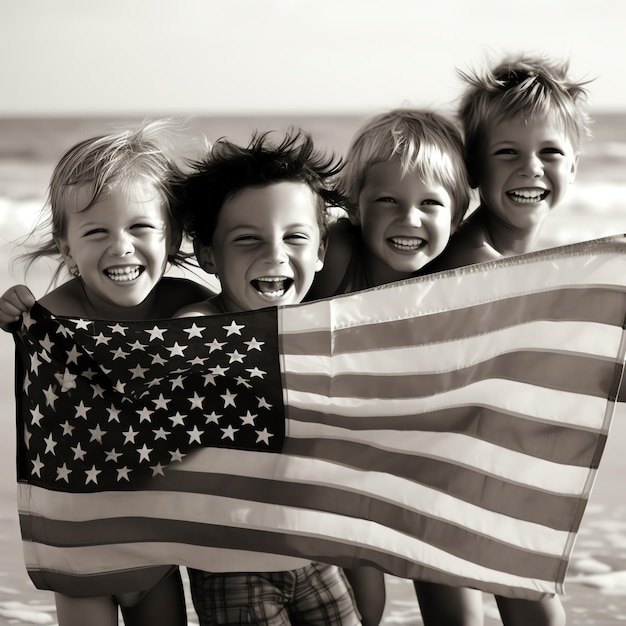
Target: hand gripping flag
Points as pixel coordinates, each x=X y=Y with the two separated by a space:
x=447 y=428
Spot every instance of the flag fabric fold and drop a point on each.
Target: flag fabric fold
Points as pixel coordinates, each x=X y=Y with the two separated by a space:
x=447 y=428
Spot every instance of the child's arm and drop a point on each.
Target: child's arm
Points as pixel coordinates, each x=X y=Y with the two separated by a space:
x=15 y=301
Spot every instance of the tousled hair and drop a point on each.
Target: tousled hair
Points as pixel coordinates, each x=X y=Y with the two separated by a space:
x=227 y=169
x=107 y=163
x=524 y=88
x=425 y=142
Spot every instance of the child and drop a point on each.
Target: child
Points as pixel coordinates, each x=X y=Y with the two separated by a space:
x=524 y=125
x=407 y=189
x=115 y=232
x=257 y=219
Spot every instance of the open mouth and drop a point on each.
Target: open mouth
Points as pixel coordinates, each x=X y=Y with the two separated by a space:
x=407 y=244
x=528 y=196
x=272 y=287
x=124 y=274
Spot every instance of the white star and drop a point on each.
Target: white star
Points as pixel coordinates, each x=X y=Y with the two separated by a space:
x=218 y=370
x=47 y=343
x=102 y=339
x=50 y=444
x=72 y=355
x=177 y=350
x=215 y=345
x=112 y=455
x=161 y=402
x=37 y=416
x=248 y=418
x=118 y=328
x=97 y=433
x=235 y=357
x=114 y=414
x=195 y=434
x=197 y=361
x=129 y=435
x=67 y=428
x=240 y=380
x=63 y=473
x=138 y=346
x=89 y=374
x=263 y=436
x=156 y=333
x=144 y=414
x=50 y=396
x=177 y=382
x=27 y=320
x=123 y=472
x=120 y=387
x=177 y=455
x=255 y=371
x=144 y=453
x=81 y=324
x=196 y=401
x=161 y=433
x=253 y=344
x=178 y=419
x=233 y=328
x=119 y=354
x=263 y=403
x=26 y=382
x=157 y=470
x=34 y=363
x=97 y=391
x=37 y=466
x=81 y=410
x=229 y=433
x=92 y=475
x=194 y=331
x=79 y=453
x=212 y=417
x=138 y=371
x=229 y=398
x=157 y=359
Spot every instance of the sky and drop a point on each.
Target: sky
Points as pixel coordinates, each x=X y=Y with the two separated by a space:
x=93 y=57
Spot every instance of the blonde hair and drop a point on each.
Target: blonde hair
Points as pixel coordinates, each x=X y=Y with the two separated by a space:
x=107 y=163
x=426 y=143
x=521 y=87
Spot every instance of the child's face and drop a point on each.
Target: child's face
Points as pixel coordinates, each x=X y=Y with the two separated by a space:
x=525 y=170
x=120 y=245
x=405 y=222
x=266 y=247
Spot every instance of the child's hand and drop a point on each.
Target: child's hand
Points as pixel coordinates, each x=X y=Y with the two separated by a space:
x=14 y=302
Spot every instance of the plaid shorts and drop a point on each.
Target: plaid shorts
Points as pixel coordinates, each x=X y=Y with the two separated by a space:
x=315 y=595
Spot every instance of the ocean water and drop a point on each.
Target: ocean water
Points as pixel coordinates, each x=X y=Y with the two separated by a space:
x=595 y=207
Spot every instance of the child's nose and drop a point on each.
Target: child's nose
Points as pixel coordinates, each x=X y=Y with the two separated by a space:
x=122 y=245
x=275 y=252
x=532 y=166
x=412 y=215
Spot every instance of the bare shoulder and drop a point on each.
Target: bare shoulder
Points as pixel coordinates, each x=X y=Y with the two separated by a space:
x=339 y=249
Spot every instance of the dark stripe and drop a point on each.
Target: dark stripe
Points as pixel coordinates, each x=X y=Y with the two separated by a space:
x=137 y=530
x=604 y=305
x=573 y=373
x=561 y=444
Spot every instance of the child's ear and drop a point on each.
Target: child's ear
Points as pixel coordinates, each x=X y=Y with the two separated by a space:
x=176 y=241
x=204 y=256
x=64 y=249
x=574 y=170
x=321 y=254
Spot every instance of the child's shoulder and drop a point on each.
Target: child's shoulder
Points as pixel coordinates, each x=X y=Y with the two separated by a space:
x=208 y=306
x=341 y=244
x=182 y=291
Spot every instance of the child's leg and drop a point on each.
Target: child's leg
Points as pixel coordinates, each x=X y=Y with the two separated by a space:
x=368 y=588
x=163 y=605
x=442 y=605
x=74 y=611
x=546 y=612
x=321 y=597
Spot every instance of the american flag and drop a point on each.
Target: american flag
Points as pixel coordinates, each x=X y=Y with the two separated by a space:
x=447 y=428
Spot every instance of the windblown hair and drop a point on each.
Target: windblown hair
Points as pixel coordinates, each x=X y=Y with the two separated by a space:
x=105 y=164
x=228 y=168
x=523 y=88
x=425 y=142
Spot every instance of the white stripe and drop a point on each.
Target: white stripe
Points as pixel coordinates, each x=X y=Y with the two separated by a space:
x=468 y=287
x=461 y=450
x=547 y=405
x=562 y=337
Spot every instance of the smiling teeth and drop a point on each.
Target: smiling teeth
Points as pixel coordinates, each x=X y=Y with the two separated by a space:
x=407 y=243
x=527 y=196
x=272 y=287
x=123 y=274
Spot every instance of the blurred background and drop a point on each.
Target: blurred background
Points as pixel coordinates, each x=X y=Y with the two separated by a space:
x=70 y=69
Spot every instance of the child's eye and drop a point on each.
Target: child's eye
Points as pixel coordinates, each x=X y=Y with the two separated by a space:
x=388 y=199
x=245 y=239
x=297 y=238
x=94 y=231
x=142 y=225
x=552 y=151
x=432 y=202
x=505 y=152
